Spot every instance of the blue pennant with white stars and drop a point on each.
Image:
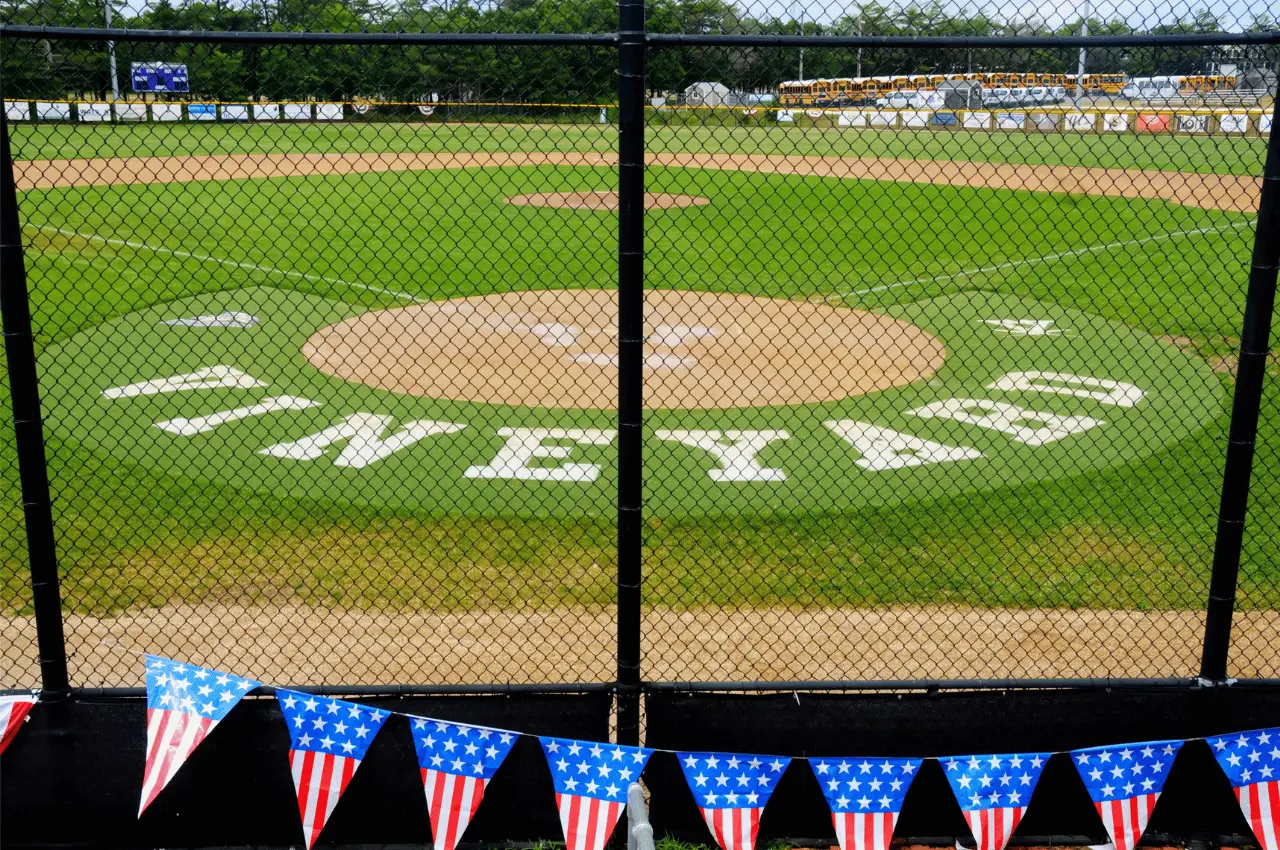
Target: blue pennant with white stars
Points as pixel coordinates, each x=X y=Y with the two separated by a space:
x=864 y=784
x=1004 y=780
x=331 y=726
x=598 y=771
x=459 y=749
x=1125 y=771
x=730 y=780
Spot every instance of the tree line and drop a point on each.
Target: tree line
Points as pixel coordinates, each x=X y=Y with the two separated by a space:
x=49 y=68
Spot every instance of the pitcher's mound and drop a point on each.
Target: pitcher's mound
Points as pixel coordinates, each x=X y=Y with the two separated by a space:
x=603 y=200
x=558 y=348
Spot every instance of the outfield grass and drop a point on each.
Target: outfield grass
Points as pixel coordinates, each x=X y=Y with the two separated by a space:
x=1200 y=154
x=1139 y=535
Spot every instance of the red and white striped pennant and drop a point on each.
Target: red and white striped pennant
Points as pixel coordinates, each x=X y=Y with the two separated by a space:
x=13 y=713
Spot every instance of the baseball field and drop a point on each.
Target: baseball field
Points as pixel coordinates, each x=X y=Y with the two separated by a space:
x=335 y=403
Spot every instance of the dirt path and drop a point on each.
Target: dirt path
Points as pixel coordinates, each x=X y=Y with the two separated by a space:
x=1210 y=191
x=304 y=644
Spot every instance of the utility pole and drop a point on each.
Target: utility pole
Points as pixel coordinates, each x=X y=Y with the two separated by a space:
x=111 y=55
x=1084 y=31
x=860 y=13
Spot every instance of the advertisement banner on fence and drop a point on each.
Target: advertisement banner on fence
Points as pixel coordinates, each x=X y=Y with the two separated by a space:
x=94 y=111
x=1047 y=122
x=1082 y=122
x=1193 y=123
x=1152 y=122
x=297 y=112
x=915 y=118
x=785 y=116
x=1115 y=122
x=977 y=120
x=945 y=119
x=329 y=112
x=166 y=112
x=1235 y=122
x=17 y=111
x=1264 y=122
x=235 y=112
x=881 y=119
x=46 y=111
x=1010 y=120
x=131 y=112
x=202 y=111
x=266 y=112
x=851 y=118
x=813 y=113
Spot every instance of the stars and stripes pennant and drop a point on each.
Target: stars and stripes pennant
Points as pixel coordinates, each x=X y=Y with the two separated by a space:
x=865 y=797
x=1124 y=783
x=731 y=791
x=591 y=782
x=457 y=763
x=993 y=792
x=1251 y=761
x=184 y=703
x=328 y=738
x=13 y=713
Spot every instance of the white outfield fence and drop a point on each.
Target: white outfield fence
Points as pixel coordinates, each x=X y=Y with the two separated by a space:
x=1099 y=120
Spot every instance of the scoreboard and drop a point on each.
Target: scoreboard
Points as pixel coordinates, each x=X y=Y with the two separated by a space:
x=159 y=77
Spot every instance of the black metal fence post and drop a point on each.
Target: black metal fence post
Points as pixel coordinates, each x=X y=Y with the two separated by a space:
x=28 y=429
x=1254 y=348
x=631 y=62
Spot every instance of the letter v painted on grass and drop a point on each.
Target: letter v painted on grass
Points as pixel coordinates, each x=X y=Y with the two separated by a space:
x=362 y=433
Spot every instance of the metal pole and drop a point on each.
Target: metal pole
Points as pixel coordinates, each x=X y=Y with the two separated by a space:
x=631 y=79
x=1254 y=342
x=28 y=428
x=111 y=55
x=1084 y=32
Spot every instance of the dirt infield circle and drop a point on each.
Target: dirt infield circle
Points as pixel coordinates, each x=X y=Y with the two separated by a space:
x=558 y=348
x=603 y=200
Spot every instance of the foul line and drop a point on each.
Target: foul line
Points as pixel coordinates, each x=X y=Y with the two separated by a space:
x=206 y=258
x=1043 y=259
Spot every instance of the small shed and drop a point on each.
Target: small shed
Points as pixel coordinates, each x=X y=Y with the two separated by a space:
x=708 y=94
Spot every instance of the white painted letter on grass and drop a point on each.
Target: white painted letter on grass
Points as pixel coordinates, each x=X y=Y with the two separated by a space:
x=1099 y=389
x=1031 y=427
x=525 y=445
x=362 y=433
x=213 y=378
x=735 y=450
x=882 y=448
x=184 y=427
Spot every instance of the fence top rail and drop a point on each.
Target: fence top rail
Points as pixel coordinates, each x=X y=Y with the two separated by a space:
x=352 y=38
x=1000 y=41
x=656 y=39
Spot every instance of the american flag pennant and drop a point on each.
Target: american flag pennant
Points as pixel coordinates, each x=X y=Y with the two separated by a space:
x=457 y=763
x=1125 y=782
x=184 y=703
x=591 y=782
x=328 y=738
x=1251 y=761
x=993 y=792
x=731 y=791
x=13 y=713
x=865 y=797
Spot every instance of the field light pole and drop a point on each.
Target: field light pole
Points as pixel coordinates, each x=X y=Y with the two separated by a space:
x=1084 y=31
x=111 y=55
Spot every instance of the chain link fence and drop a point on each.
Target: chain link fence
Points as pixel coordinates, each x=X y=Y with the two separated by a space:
x=938 y=354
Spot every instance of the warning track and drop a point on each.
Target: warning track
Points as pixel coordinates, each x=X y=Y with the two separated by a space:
x=1228 y=193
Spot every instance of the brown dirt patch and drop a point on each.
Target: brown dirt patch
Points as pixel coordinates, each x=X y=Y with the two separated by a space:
x=557 y=348
x=607 y=201
x=1211 y=191
x=297 y=644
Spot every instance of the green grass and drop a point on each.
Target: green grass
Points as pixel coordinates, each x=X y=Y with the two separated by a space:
x=1136 y=535
x=1201 y=154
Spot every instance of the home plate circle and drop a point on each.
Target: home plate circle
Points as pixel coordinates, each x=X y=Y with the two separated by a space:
x=558 y=348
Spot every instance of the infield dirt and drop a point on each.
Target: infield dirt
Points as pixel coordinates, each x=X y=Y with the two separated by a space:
x=1210 y=191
